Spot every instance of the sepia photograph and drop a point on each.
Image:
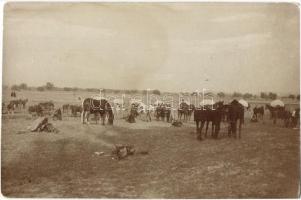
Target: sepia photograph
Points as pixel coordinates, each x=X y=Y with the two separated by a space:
x=150 y=100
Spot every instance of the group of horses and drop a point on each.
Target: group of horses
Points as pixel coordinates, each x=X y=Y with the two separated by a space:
x=74 y=109
x=41 y=108
x=14 y=104
x=290 y=119
x=163 y=112
x=185 y=110
x=233 y=112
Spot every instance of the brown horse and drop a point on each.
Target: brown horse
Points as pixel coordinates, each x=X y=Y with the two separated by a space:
x=236 y=113
x=97 y=107
x=206 y=115
x=258 y=112
x=75 y=109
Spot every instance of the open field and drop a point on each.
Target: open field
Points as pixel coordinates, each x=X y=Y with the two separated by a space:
x=263 y=164
x=61 y=97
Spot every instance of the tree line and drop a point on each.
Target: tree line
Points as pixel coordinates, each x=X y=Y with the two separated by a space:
x=50 y=86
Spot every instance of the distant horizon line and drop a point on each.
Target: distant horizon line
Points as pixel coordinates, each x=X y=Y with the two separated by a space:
x=162 y=91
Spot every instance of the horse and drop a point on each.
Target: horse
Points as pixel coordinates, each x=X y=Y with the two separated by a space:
x=94 y=106
x=225 y=112
x=11 y=107
x=236 y=113
x=159 y=111
x=279 y=112
x=23 y=102
x=75 y=109
x=206 y=114
x=163 y=111
x=258 y=112
x=18 y=103
x=66 y=108
x=36 y=109
x=183 y=111
x=48 y=105
x=14 y=104
x=283 y=114
x=271 y=109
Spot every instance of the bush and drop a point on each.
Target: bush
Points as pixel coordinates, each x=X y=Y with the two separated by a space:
x=263 y=95
x=49 y=86
x=15 y=87
x=237 y=94
x=247 y=95
x=157 y=92
x=92 y=90
x=67 y=89
x=41 y=88
x=133 y=91
x=23 y=86
x=291 y=96
x=116 y=91
x=272 y=95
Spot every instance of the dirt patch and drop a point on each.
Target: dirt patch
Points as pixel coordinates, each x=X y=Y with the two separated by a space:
x=176 y=166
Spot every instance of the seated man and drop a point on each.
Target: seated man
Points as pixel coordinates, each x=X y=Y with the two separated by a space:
x=57 y=115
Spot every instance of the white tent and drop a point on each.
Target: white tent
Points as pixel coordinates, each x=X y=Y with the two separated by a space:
x=118 y=101
x=244 y=103
x=205 y=102
x=135 y=101
x=277 y=102
x=97 y=97
x=158 y=102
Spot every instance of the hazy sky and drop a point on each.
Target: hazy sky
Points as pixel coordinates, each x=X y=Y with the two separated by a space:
x=244 y=47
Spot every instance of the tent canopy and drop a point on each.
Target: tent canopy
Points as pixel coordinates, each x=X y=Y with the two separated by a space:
x=207 y=102
x=276 y=103
x=244 y=103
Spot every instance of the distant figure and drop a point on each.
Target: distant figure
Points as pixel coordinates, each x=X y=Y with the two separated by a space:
x=13 y=94
x=148 y=116
x=295 y=117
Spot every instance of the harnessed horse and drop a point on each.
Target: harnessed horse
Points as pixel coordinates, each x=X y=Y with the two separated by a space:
x=95 y=106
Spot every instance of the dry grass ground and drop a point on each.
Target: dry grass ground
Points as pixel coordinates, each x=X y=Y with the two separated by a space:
x=263 y=164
